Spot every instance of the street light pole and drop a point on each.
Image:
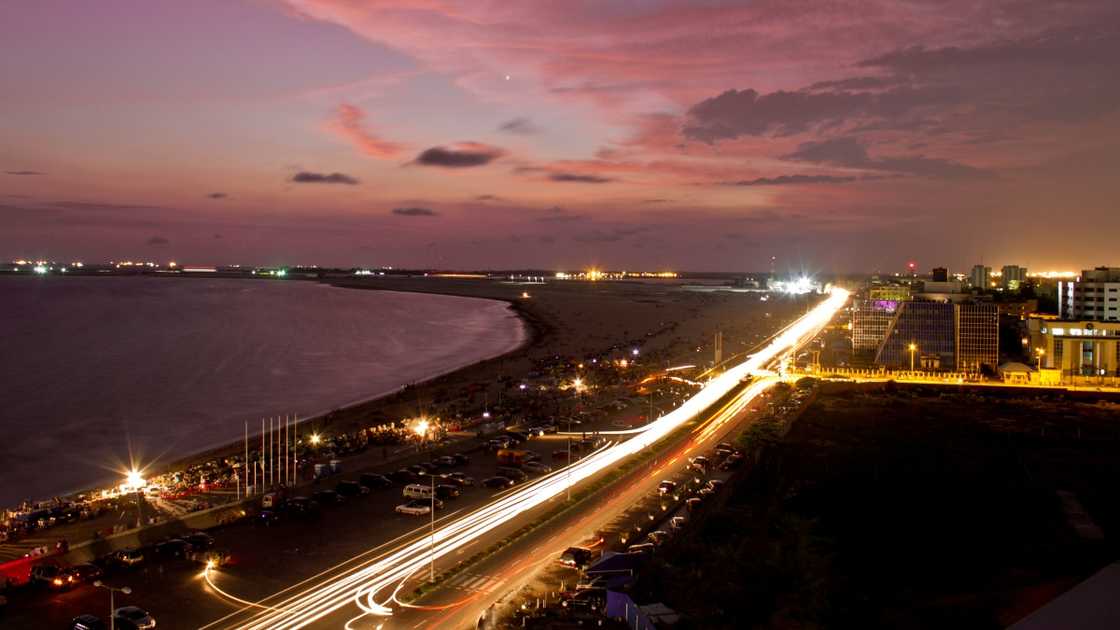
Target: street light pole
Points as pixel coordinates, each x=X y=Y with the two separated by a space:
x=913 y=348
x=124 y=589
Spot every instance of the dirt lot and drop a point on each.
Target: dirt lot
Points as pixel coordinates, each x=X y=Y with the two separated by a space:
x=906 y=508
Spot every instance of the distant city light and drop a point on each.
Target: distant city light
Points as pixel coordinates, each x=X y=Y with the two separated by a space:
x=316 y=438
x=40 y=269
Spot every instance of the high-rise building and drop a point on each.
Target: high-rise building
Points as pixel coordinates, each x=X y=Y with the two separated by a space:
x=939 y=274
x=1013 y=277
x=1094 y=296
x=941 y=336
x=980 y=277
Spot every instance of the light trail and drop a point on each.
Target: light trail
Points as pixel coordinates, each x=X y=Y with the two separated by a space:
x=360 y=584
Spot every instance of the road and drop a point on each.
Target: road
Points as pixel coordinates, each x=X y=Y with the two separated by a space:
x=362 y=592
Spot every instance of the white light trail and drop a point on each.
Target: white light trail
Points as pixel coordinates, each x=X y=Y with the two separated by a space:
x=361 y=584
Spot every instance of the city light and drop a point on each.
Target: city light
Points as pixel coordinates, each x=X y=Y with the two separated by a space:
x=316 y=439
x=40 y=269
x=421 y=426
x=361 y=584
x=133 y=480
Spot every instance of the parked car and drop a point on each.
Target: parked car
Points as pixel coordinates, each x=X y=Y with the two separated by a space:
x=576 y=557
x=733 y=461
x=328 y=497
x=351 y=489
x=403 y=475
x=723 y=448
x=447 y=491
x=375 y=481
x=460 y=478
x=512 y=473
x=268 y=518
x=88 y=622
x=445 y=461
x=129 y=557
x=173 y=548
x=658 y=537
x=461 y=458
x=497 y=481
x=51 y=576
x=699 y=464
x=537 y=467
x=692 y=504
x=677 y=522
x=134 y=615
x=84 y=573
x=201 y=541
x=642 y=548
x=303 y=506
x=418 y=508
x=666 y=487
x=715 y=484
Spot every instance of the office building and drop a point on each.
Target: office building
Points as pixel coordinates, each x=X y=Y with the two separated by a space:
x=1012 y=277
x=941 y=336
x=980 y=278
x=1094 y=296
x=1076 y=348
x=870 y=320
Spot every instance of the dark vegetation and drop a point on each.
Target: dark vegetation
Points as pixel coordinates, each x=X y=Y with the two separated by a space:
x=901 y=508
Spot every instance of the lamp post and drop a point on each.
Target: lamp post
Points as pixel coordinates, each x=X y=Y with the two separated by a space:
x=913 y=348
x=1040 y=352
x=112 y=590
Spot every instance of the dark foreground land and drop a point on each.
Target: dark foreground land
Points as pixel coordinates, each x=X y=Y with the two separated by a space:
x=904 y=508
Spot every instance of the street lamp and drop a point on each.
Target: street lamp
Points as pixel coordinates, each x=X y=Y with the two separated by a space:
x=913 y=348
x=124 y=589
x=1040 y=352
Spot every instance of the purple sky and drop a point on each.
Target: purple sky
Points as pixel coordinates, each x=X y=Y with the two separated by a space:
x=684 y=135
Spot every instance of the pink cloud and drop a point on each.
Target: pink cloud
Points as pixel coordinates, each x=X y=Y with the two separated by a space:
x=349 y=123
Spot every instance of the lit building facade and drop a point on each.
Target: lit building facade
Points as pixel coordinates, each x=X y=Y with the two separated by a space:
x=1095 y=296
x=1077 y=348
x=945 y=336
x=1012 y=277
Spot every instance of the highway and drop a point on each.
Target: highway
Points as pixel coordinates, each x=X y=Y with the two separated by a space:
x=363 y=592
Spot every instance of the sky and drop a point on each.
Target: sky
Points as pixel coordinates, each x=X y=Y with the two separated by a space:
x=702 y=135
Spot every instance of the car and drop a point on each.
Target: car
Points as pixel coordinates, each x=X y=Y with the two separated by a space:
x=49 y=575
x=375 y=481
x=173 y=548
x=733 y=461
x=497 y=481
x=699 y=463
x=666 y=487
x=84 y=573
x=403 y=475
x=549 y=429
x=537 y=467
x=705 y=492
x=268 y=518
x=134 y=615
x=723 y=448
x=416 y=469
x=302 y=506
x=642 y=548
x=427 y=468
x=658 y=537
x=460 y=478
x=677 y=522
x=328 y=497
x=88 y=622
x=447 y=491
x=129 y=557
x=512 y=473
x=461 y=458
x=715 y=484
x=693 y=504
x=535 y=431
x=350 y=489
x=201 y=541
x=445 y=461
x=416 y=508
x=576 y=557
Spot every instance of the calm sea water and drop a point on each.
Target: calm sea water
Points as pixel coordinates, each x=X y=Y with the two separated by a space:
x=93 y=367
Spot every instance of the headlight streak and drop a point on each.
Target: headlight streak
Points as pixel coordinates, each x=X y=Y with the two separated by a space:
x=363 y=582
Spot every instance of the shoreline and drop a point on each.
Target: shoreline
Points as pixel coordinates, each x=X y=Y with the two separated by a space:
x=530 y=334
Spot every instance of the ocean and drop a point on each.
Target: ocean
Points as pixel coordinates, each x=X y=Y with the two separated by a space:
x=94 y=371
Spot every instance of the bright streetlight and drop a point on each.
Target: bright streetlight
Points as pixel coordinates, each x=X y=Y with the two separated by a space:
x=316 y=438
x=1040 y=352
x=112 y=590
x=913 y=348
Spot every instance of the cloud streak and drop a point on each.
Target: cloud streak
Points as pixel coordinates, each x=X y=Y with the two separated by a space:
x=460 y=155
x=350 y=123
x=309 y=177
x=414 y=212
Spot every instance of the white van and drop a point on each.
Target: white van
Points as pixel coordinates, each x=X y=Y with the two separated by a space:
x=418 y=491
